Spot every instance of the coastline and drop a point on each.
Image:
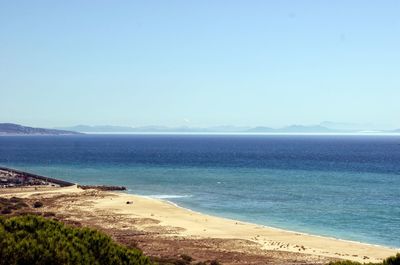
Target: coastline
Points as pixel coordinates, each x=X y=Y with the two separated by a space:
x=164 y=219
x=294 y=239
x=266 y=226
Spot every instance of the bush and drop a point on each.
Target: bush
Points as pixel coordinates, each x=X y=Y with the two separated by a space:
x=7 y=206
x=20 y=205
x=49 y=214
x=15 y=199
x=186 y=258
x=6 y=210
x=38 y=204
x=394 y=260
x=35 y=240
x=344 y=262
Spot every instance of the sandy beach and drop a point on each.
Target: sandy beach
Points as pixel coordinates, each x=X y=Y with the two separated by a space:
x=157 y=223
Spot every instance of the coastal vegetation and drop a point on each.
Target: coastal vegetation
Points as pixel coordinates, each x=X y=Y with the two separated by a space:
x=32 y=239
x=101 y=187
x=26 y=237
x=36 y=240
x=7 y=206
x=394 y=260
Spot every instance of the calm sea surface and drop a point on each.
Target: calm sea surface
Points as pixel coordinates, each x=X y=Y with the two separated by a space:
x=341 y=186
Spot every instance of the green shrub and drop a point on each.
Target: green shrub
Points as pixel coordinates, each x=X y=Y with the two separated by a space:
x=344 y=262
x=7 y=206
x=34 y=240
x=394 y=260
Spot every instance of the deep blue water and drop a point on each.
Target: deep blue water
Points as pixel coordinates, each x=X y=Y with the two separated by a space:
x=341 y=186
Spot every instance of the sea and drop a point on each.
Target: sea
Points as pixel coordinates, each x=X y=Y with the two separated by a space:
x=346 y=187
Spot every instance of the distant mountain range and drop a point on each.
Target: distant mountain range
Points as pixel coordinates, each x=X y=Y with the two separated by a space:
x=158 y=129
x=333 y=128
x=293 y=129
x=16 y=129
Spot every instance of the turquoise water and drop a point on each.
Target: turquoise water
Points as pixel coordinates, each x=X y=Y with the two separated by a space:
x=344 y=187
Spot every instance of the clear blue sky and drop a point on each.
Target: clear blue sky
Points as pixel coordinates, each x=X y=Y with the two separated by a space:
x=199 y=63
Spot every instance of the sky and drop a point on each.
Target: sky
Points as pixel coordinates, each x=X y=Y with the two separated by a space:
x=199 y=63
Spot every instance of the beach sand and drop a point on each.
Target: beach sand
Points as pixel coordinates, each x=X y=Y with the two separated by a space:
x=160 y=228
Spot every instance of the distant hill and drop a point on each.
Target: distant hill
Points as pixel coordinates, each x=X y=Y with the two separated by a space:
x=184 y=129
x=353 y=127
x=261 y=129
x=153 y=129
x=291 y=129
x=100 y=128
x=307 y=129
x=16 y=129
x=121 y=129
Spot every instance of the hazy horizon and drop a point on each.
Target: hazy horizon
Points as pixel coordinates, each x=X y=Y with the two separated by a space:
x=338 y=126
x=323 y=127
x=326 y=124
x=199 y=64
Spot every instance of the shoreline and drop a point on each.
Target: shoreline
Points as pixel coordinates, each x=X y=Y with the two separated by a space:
x=263 y=225
x=267 y=227
x=168 y=218
x=163 y=219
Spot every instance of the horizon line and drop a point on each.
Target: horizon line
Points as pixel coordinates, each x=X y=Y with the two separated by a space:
x=251 y=133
